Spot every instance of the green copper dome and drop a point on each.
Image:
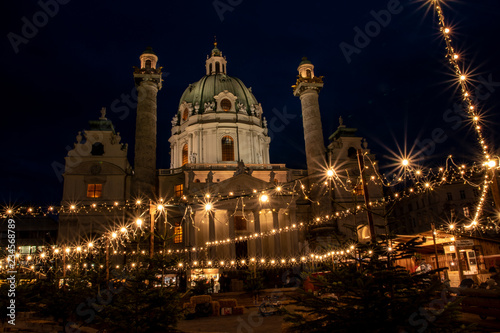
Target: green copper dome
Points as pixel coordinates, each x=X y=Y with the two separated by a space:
x=304 y=61
x=149 y=50
x=216 y=51
x=211 y=85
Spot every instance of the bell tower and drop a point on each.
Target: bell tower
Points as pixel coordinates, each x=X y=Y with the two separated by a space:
x=307 y=88
x=148 y=82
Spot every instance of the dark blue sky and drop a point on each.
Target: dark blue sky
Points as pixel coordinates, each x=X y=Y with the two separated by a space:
x=81 y=59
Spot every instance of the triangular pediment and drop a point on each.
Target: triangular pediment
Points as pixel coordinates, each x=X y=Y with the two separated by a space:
x=239 y=184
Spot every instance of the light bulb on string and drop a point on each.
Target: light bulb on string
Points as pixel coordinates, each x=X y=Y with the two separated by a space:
x=329 y=173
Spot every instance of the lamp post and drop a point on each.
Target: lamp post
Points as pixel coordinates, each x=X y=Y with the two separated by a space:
x=434 y=232
x=361 y=164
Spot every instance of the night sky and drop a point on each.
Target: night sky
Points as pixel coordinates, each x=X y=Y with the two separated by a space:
x=396 y=89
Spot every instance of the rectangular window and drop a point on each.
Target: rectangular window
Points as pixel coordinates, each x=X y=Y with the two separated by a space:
x=358 y=190
x=94 y=190
x=453 y=213
x=449 y=196
x=466 y=212
x=240 y=223
x=179 y=190
x=462 y=194
x=178 y=235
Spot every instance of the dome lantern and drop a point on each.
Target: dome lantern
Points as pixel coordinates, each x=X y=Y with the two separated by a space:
x=216 y=63
x=148 y=59
x=306 y=69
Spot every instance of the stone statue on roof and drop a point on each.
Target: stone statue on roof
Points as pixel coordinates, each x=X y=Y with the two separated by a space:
x=209 y=106
x=240 y=169
x=241 y=108
x=103 y=114
x=190 y=177
x=210 y=177
x=272 y=176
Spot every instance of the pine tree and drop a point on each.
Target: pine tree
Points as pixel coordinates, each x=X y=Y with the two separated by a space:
x=141 y=304
x=368 y=295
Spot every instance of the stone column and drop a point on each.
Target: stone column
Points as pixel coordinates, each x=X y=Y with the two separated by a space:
x=191 y=234
x=307 y=88
x=211 y=234
x=258 y=240
x=313 y=131
x=145 y=140
x=294 y=236
x=232 y=234
x=277 y=236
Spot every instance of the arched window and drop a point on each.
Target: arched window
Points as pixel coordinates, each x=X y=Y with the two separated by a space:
x=210 y=69
x=227 y=148
x=97 y=149
x=217 y=68
x=308 y=73
x=352 y=153
x=185 y=114
x=223 y=68
x=225 y=104
x=185 y=154
x=148 y=64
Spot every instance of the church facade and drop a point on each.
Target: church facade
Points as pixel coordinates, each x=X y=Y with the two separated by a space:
x=223 y=198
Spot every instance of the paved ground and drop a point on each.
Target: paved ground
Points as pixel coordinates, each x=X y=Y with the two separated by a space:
x=249 y=322
x=490 y=324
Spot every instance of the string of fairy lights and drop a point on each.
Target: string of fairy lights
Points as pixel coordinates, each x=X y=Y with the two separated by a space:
x=123 y=234
x=422 y=179
x=464 y=81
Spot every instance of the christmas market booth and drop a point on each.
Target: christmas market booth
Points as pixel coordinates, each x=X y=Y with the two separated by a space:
x=465 y=257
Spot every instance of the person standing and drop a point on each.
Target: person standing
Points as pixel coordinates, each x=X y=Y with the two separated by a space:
x=222 y=281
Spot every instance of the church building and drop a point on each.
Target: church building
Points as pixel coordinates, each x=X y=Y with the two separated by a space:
x=222 y=198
